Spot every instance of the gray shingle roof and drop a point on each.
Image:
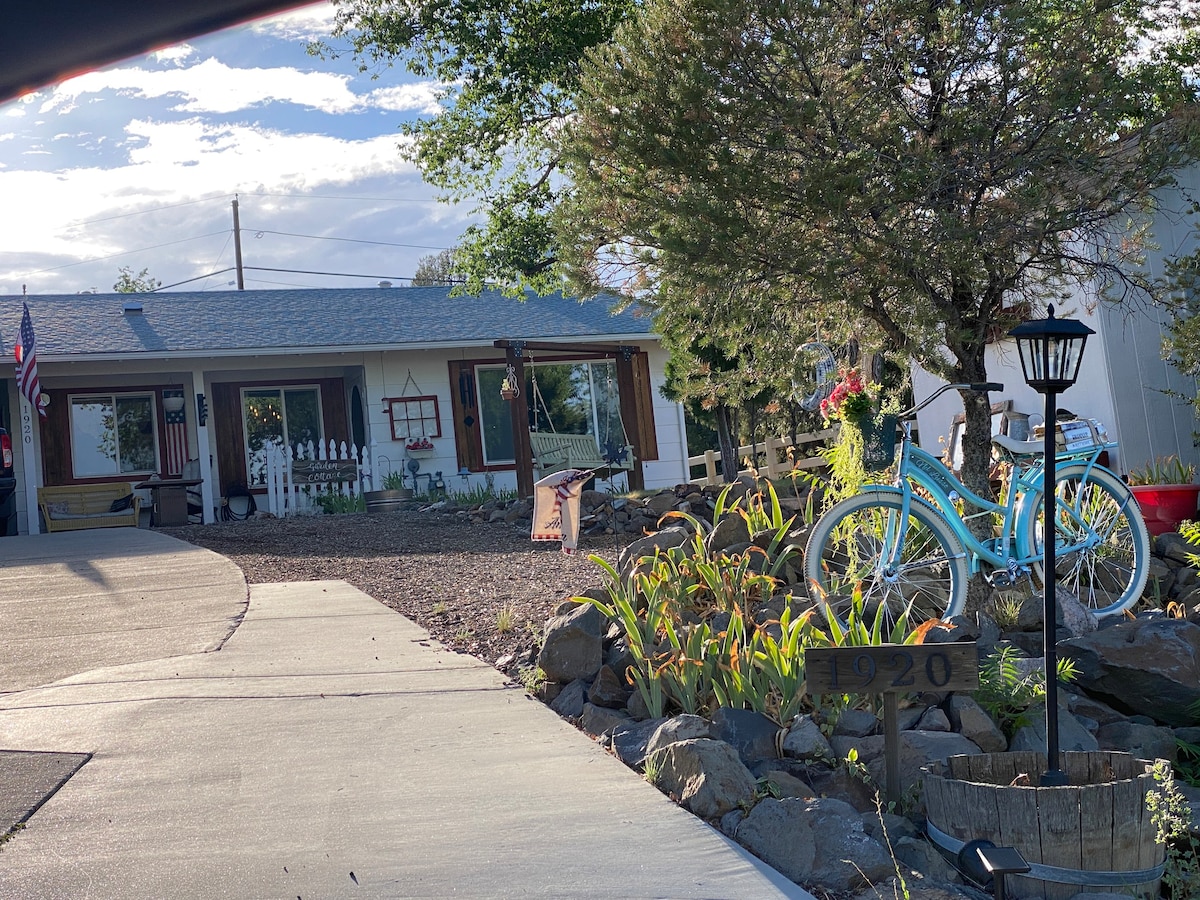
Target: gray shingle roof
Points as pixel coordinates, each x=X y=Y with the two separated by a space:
x=70 y=326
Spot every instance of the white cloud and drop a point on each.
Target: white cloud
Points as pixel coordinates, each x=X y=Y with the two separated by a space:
x=309 y=23
x=419 y=98
x=176 y=54
x=214 y=87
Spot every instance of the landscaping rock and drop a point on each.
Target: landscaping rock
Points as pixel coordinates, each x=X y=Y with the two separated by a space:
x=1072 y=735
x=1073 y=615
x=678 y=728
x=855 y=723
x=933 y=719
x=570 y=700
x=780 y=784
x=705 y=776
x=814 y=842
x=1143 y=741
x=917 y=853
x=597 y=720
x=917 y=749
x=1084 y=707
x=608 y=690
x=750 y=733
x=896 y=827
x=675 y=536
x=629 y=740
x=804 y=740
x=971 y=720
x=573 y=647
x=1142 y=666
x=728 y=532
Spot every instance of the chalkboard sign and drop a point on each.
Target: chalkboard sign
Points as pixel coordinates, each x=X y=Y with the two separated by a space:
x=892 y=668
x=323 y=471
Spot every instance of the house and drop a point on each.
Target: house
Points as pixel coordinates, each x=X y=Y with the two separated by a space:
x=1124 y=382
x=137 y=384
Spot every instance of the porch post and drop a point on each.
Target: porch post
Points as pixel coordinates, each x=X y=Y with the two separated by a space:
x=31 y=461
x=203 y=449
x=627 y=388
x=514 y=355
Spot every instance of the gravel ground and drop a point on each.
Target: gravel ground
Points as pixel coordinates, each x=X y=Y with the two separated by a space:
x=486 y=590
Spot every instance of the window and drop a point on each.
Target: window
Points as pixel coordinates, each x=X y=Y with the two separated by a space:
x=289 y=415
x=569 y=398
x=113 y=434
x=414 y=417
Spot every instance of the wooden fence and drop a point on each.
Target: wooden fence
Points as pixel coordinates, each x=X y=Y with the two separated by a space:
x=770 y=459
x=296 y=476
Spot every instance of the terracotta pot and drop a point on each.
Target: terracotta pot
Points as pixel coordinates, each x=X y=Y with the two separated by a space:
x=1164 y=506
x=508 y=393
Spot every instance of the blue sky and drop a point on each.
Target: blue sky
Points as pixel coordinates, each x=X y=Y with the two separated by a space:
x=136 y=164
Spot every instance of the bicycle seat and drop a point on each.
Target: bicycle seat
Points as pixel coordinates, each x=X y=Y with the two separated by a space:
x=1019 y=448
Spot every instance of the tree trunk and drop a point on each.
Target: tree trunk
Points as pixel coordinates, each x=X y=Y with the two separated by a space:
x=729 y=460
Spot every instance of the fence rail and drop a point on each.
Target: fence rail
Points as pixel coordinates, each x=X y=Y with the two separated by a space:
x=296 y=476
x=770 y=457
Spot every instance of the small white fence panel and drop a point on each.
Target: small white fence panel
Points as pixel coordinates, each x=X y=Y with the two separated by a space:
x=296 y=476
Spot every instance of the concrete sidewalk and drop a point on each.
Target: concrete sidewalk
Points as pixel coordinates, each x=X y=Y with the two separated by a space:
x=331 y=749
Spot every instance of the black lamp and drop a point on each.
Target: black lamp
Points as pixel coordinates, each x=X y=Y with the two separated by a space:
x=1051 y=350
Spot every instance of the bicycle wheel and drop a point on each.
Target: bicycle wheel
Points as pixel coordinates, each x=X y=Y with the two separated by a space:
x=1103 y=547
x=852 y=543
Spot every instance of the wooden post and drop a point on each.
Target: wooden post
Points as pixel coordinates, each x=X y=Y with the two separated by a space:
x=629 y=414
x=519 y=407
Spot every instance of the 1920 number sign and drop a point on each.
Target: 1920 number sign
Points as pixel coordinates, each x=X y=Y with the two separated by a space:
x=891 y=668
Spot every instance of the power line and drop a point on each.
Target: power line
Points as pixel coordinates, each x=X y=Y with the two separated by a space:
x=332 y=274
x=123 y=253
x=163 y=287
x=139 y=212
x=317 y=237
x=327 y=197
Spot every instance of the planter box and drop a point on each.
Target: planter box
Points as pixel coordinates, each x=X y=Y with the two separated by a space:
x=1164 y=506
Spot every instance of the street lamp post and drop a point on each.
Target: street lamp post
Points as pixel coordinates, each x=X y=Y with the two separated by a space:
x=1051 y=350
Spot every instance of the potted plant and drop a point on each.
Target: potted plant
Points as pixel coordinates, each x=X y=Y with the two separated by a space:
x=392 y=495
x=508 y=388
x=1166 y=492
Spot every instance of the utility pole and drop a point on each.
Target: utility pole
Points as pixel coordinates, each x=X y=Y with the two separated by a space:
x=237 y=245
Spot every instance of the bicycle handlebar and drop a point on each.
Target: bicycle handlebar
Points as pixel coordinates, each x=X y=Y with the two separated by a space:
x=981 y=387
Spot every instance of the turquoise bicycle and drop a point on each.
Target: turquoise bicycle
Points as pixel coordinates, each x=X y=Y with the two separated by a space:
x=907 y=545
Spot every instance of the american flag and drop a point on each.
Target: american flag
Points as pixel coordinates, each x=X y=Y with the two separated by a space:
x=175 y=437
x=26 y=353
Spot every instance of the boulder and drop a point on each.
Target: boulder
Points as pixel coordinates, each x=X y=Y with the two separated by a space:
x=1143 y=741
x=1142 y=666
x=704 y=776
x=933 y=719
x=573 y=645
x=917 y=749
x=971 y=720
x=815 y=842
x=597 y=720
x=678 y=728
x=781 y=784
x=629 y=740
x=804 y=740
x=855 y=723
x=750 y=733
x=570 y=700
x=608 y=690
x=730 y=531
x=1072 y=735
x=675 y=536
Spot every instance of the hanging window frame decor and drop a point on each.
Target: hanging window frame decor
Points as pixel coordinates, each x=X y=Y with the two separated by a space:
x=416 y=419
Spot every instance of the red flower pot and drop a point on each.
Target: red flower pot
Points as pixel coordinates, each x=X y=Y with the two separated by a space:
x=1164 y=506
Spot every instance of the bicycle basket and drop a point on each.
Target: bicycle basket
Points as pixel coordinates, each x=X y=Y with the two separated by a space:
x=879 y=442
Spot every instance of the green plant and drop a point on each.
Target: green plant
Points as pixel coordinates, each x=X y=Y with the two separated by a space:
x=532 y=678
x=1187 y=762
x=333 y=504
x=652 y=767
x=1006 y=608
x=1164 y=470
x=1172 y=818
x=463 y=635
x=1007 y=695
x=506 y=619
x=438 y=608
x=393 y=481
x=479 y=494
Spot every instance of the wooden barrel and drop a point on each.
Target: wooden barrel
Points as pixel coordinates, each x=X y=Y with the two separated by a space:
x=1093 y=835
x=387 y=501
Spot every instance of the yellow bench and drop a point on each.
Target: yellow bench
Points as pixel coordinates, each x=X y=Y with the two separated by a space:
x=554 y=452
x=71 y=507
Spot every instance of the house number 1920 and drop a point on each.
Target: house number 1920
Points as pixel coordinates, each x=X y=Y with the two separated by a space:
x=891 y=668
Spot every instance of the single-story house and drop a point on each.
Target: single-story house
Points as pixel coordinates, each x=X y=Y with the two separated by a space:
x=1124 y=382
x=139 y=384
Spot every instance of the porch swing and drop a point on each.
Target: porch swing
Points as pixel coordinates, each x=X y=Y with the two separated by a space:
x=601 y=455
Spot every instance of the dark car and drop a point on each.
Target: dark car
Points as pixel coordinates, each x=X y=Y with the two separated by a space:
x=8 y=486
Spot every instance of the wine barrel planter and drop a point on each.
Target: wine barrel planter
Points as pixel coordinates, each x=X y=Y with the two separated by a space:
x=387 y=501
x=1095 y=834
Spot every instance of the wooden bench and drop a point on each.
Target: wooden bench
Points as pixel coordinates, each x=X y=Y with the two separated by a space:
x=71 y=507
x=555 y=452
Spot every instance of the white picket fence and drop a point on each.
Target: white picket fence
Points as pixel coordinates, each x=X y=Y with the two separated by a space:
x=296 y=476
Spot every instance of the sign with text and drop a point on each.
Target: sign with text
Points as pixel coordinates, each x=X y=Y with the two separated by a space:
x=323 y=471
x=892 y=668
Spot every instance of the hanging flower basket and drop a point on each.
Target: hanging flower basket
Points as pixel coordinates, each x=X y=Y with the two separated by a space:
x=508 y=393
x=878 y=441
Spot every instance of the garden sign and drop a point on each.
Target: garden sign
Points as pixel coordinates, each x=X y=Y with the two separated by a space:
x=891 y=670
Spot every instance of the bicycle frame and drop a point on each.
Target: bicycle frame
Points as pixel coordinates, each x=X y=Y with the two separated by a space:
x=1012 y=549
